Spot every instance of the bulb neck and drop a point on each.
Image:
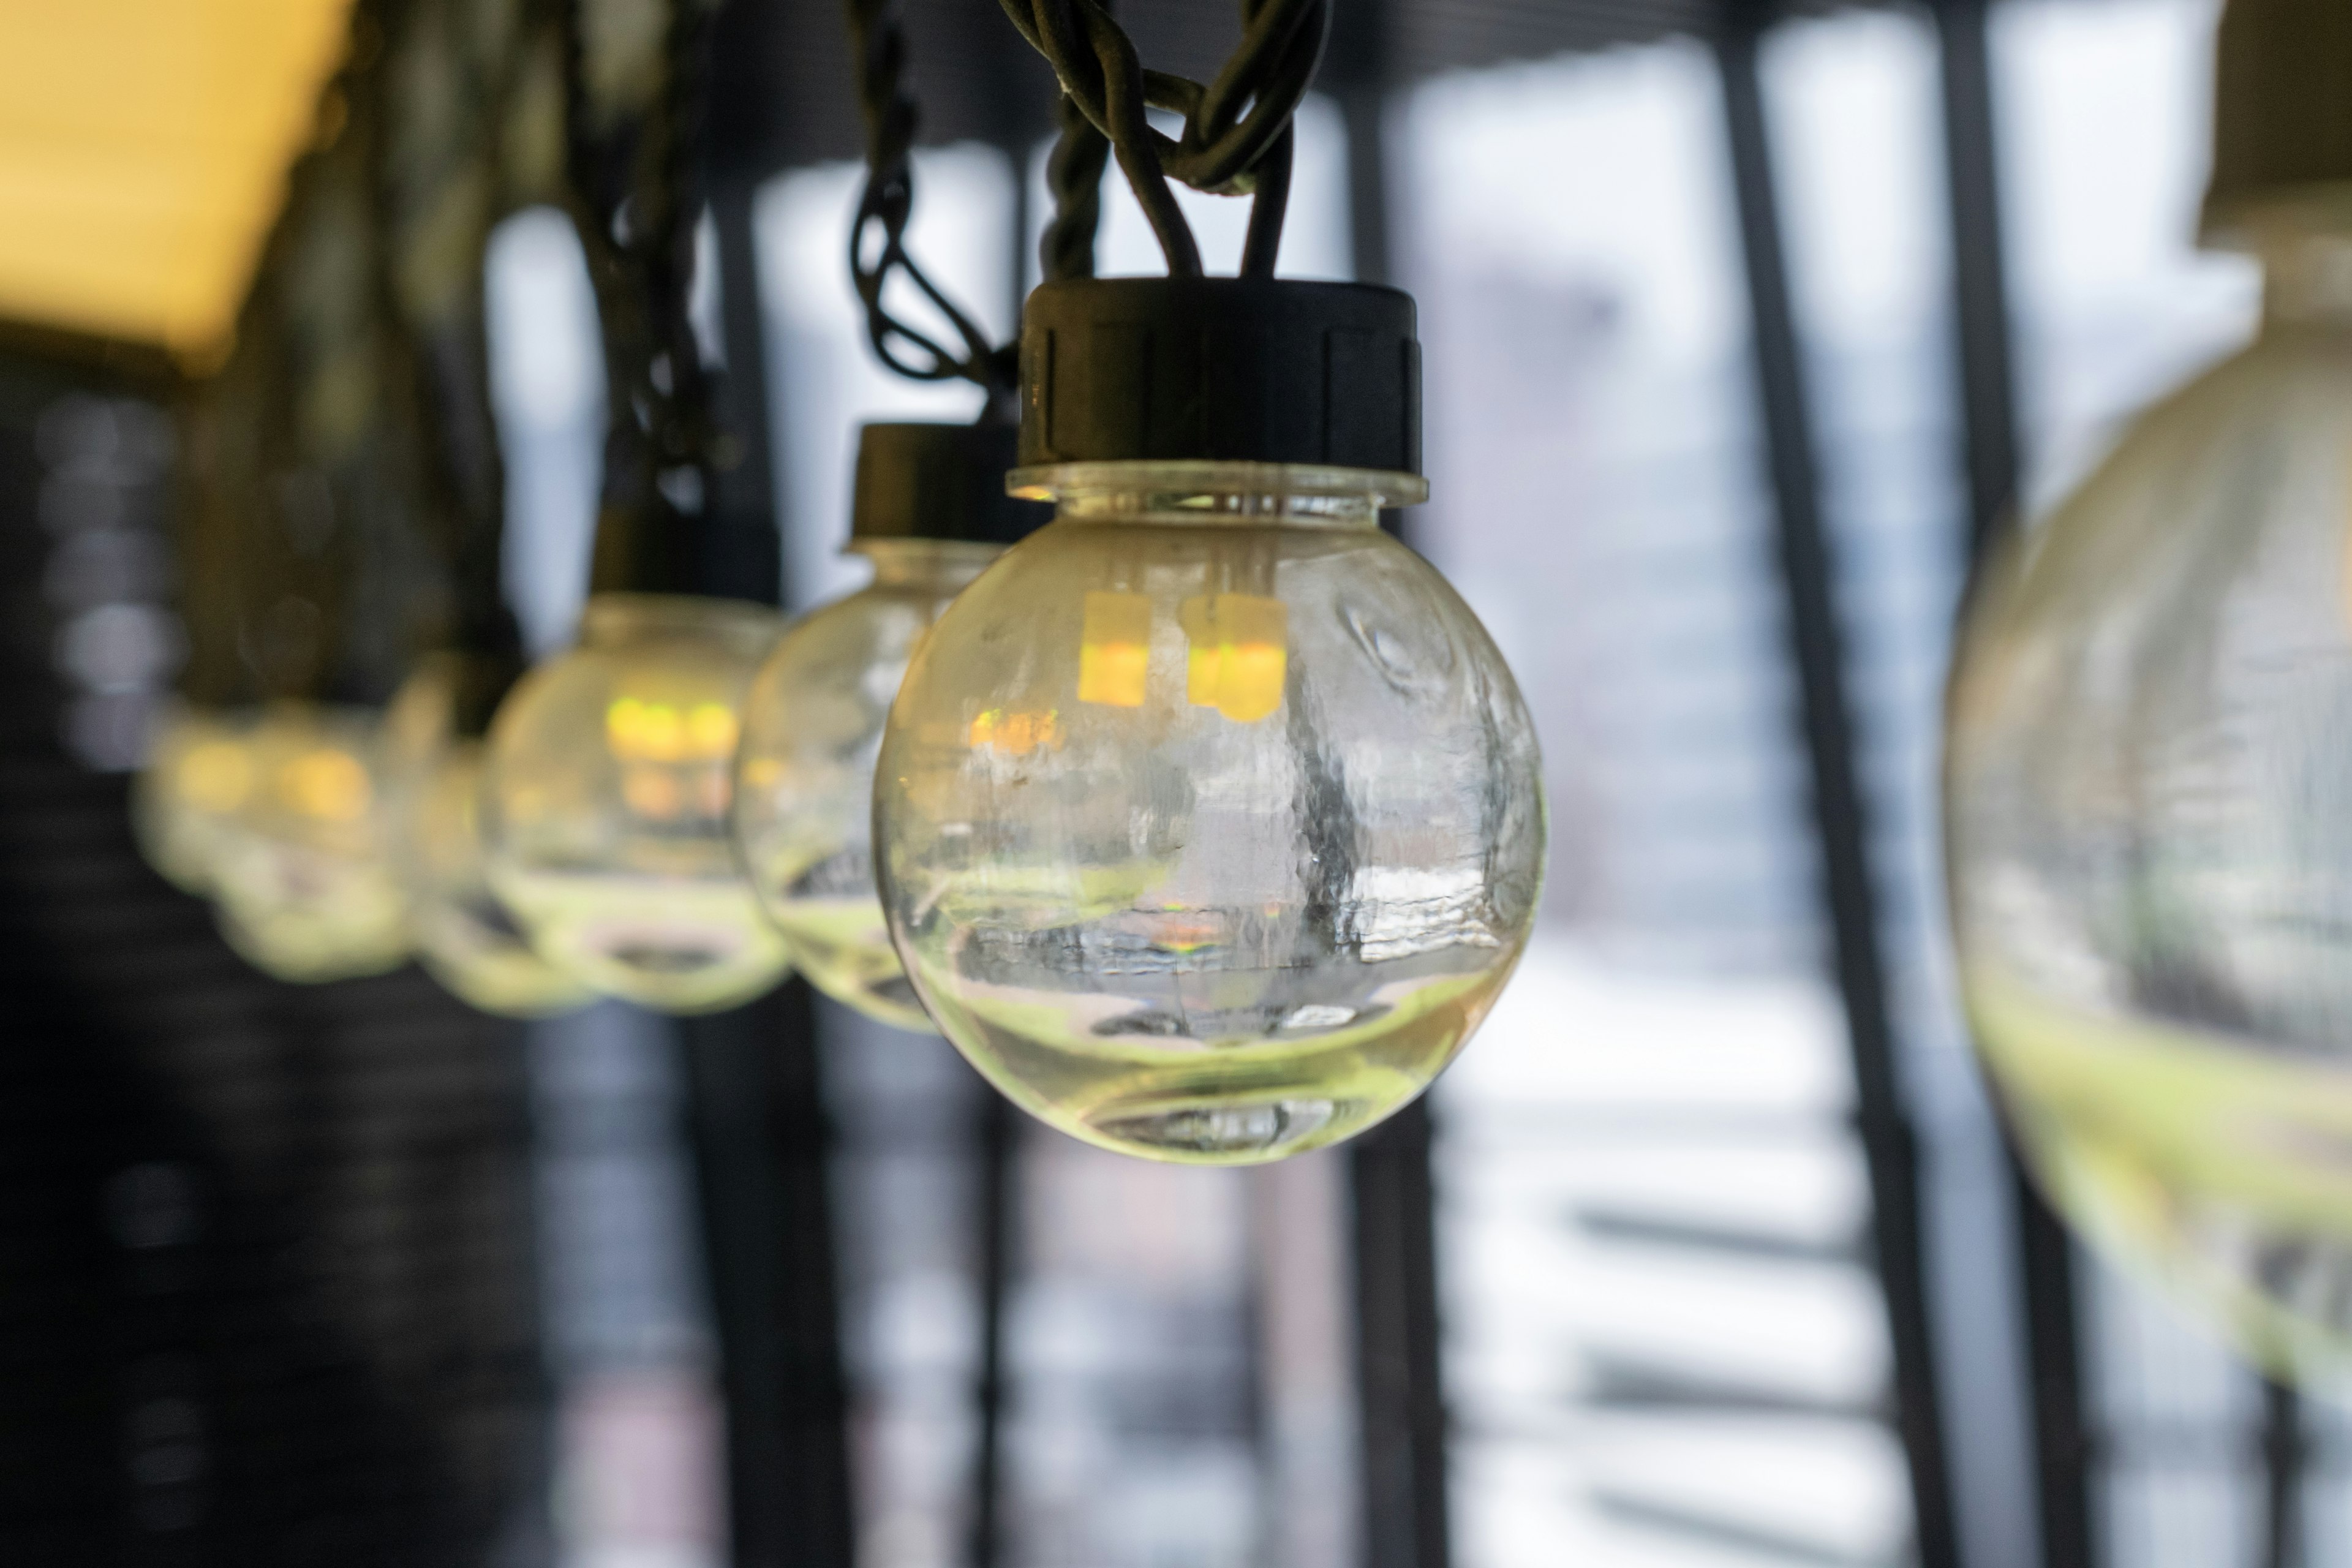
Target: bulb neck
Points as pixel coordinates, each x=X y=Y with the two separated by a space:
x=947 y=566
x=1209 y=494
x=2307 y=280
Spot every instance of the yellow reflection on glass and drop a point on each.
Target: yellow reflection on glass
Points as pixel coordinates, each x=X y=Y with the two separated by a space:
x=1017 y=734
x=330 y=785
x=1115 y=650
x=711 y=731
x=1238 y=654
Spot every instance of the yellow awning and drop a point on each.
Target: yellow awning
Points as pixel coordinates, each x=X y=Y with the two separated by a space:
x=143 y=151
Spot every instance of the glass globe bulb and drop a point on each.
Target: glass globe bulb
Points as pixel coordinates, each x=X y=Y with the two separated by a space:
x=1211 y=821
x=609 y=786
x=303 y=881
x=2148 y=809
x=804 y=777
x=465 y=937
x=199 y=772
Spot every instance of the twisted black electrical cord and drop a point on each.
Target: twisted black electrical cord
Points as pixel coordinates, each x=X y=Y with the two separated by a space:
x=636 y=185
x=431 y=294
x=877 y=240
x=634 y=178
x=1074 y=176
x=1236 y=136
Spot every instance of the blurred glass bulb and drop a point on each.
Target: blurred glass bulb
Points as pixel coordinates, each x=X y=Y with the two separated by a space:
x=804 y=779
x=609 y=785
x=199 y=772
x=464 y=937
x=2149 y=807
x=304 y=884
x=1211 y=821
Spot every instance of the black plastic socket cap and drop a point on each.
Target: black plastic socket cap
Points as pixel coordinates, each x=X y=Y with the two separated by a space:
x=939 y=481
x=2282 y=138
x=1231 y=369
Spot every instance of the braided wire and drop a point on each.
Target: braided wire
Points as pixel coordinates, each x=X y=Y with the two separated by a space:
x=635 y=186
x=1236 y=133
x=877 y=238
x=1074 y=176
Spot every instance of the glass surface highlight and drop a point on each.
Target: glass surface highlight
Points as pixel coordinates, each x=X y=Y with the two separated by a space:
x=2148 y=803
x=1210 y=820
x=303 y=880
x=804 y=779
x=609 y=791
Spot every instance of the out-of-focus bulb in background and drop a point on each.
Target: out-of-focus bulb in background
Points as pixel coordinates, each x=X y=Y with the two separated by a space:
x=302 y=875
x=805 y=781
x=608 y=802
x=199 y=774
x=463 y=935
x=1210 y=819
x=2148 y=803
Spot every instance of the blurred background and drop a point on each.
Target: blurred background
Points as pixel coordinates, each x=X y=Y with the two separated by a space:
x=1743 y=325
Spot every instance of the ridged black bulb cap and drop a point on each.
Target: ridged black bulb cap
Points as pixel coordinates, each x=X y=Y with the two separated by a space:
x=1220 y=369
x=943 y=482
x=2281 y=118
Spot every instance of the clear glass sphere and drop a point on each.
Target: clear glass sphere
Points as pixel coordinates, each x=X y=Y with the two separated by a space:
x=303 y=878
x=465 y=937
x=1210 y=822
x=433 y=780
x=2149 y=807
x=804 y=777
x=610 y=781
x=199 y=772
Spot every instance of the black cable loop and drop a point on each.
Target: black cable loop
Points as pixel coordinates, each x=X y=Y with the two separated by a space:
x=638 y=233
x=1236 y=137
x=877 y=238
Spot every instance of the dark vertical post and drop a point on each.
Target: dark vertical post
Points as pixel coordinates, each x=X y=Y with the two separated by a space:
x=2283 y=1459
x=743 y=547
x=1399 y=1379
x=2054 y=1353
x=1979 y=276
x=997 y=1147
x=1403 y=1406
x=755 y=1093
x=1890 y=1148
x=1985 y=334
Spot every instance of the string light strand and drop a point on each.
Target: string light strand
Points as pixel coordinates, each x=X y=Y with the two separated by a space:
x=877 y=240
x=1236 y=136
